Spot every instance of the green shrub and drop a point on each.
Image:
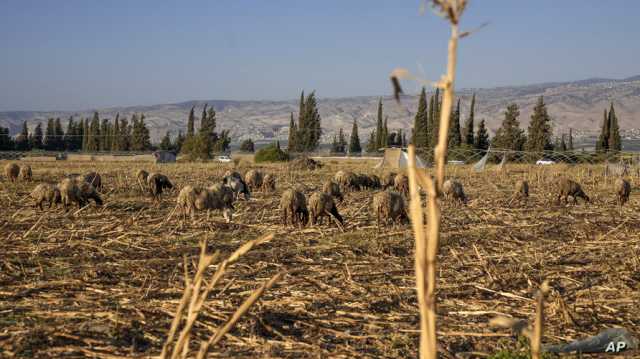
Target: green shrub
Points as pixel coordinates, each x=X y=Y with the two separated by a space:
x=271 y=154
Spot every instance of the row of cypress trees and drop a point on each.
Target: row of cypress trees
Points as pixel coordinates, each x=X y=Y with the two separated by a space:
x=304 y=135
x=609 y=139
x=87 y=135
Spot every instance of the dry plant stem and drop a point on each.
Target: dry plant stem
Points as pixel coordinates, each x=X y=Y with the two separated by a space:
x=237 y=315
x=420 y=256
x=536 y=337
x=176 y=320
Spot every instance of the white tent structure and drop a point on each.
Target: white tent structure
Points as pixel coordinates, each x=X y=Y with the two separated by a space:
x=396 y=158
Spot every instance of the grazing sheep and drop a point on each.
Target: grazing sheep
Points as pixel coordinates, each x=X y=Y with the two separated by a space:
x=269 y=183
x=78 y=191
x=362 y=181
x=453 y=189
x=571 y=188
x=331 y=188
x=623 y=190
x=401 y=184
x=238 y=186
x=94 y=179
x=191 y=199
x=46 y=192
x=157 y=183
x=294 y=204
x=141 y=176
x=253 y=179
x=374 y=182
x=346 y=180
x=225 y=193
x=321 y=205
x=522 y=190
x=11 y=170
x=25 y=173
x=233 y=174
x=389 y=205
x=388 y=180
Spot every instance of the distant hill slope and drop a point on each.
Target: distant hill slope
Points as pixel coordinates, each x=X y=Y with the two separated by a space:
x=578 y=105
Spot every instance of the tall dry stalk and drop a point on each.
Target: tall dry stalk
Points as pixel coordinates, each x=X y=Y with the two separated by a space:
x=427 y=248
x=536 y=335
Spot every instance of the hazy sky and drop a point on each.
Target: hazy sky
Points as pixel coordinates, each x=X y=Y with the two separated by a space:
x=81 y=54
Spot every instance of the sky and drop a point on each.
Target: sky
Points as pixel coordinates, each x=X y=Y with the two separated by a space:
x=85 y=54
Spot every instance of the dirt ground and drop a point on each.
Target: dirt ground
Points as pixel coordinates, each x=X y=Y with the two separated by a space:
x=106 y=281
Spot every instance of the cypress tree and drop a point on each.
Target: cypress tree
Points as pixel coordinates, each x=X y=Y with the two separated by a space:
x=334 y=144
x=115 y=141
x=509 y=136
x=36 y=140
x=455 y=138
x=615 y=143
x=342 y=141
x=570 y=139
x=469 y=124
x=312 y=128
x=380 y=139
x=204 y=121
x=371 y=145
x=85 y=135
x=291 y=143
x=420 y=122
x=165 y=144
x=354 y=141
x=435 y=125
x=105 y=144
x=69 y=140
x=385 y=133
x=190 y=123
x=602 y=145
x=482 y=137
x=301 y=134
x=125 y=135
x=539 y=133
x=22 y=140
x=93 y=134
x=49 y=136
x=58 y=135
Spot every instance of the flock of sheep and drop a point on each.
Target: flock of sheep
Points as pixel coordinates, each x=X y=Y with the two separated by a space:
x=389 y=204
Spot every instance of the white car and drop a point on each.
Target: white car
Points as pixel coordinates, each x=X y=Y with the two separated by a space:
x=545 y=162
x=223 y=159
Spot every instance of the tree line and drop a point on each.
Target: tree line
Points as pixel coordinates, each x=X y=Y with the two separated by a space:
x=90 y=135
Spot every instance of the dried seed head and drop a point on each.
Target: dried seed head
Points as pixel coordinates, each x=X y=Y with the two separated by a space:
x=451 y=9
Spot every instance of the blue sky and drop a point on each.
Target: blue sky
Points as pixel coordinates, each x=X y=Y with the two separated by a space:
x=81 y=54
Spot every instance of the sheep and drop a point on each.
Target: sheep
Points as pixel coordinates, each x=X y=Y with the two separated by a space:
x=78 y=191
x=389 y=205
x=191 y=199
x=374 y=182
x=453 y=189
x=331 y=188
x=522 y=190
x=388 y=180
x=623 y=190
x=94 y=179
x=25 y=173
x=46 y=192
x=157 y=183
x=269 y=183
x=571 y=188
x=401 y=184
x=321 y=205
x=253 y=179
x=346 y=180
x=294 y=204
x=225 y=193
x=362 y=181
x=11 y=170
x=238 y=186
x=141 y=176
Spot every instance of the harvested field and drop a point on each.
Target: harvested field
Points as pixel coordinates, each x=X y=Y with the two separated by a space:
x=106 y=281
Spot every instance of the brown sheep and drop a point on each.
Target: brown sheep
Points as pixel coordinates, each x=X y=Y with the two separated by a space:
x=232 y=174
x=94 y=179
x=401 y=184
x=623 y=190
x=11 y=170
x=321 y=205
x=25 y=173
x=388 y=180
x=522 y=190
x=331 y=188
x=157 y=183
x=141 y=176
x=346 y=180
x=225 y=193
x=253 y=179
x=294 y=204
x=453 y=189
x=389 y=205
x=78 y=191
x=46 y=192
x=269 y=183
x=571 y=188
x=191 y=199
